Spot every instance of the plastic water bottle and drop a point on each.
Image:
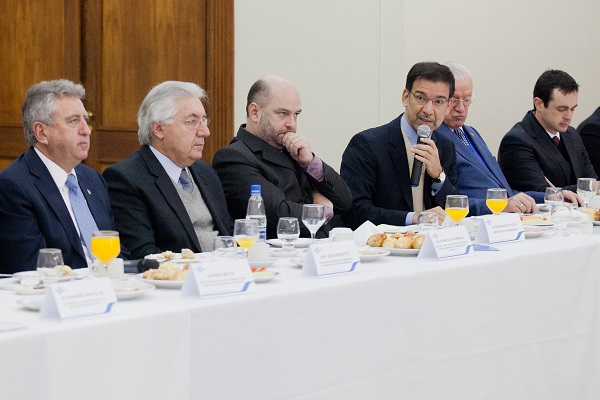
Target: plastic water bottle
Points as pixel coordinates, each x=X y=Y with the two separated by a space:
x=256 y=210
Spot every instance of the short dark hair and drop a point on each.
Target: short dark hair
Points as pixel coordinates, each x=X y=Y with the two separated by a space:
x=259 y=93
x=554 y=79
x=431 y=71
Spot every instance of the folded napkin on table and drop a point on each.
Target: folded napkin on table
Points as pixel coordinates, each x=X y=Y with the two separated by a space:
x=580 y=223
x=362 y=233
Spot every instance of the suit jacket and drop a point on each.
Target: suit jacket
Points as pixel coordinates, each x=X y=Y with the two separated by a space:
x=589 y=130
x=149 y=213
x=33 y=214
x=473 y=178
x=286 y=187
x=527 y=155
x=375 y=166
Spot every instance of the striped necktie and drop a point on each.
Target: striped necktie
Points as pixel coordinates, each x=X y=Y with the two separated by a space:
x=186 y=182
x=83 y=216
x=461 y=135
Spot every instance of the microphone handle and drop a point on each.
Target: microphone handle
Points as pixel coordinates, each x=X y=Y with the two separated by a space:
x=415 y=176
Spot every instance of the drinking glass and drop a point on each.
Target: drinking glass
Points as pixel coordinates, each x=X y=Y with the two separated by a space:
x=225 y=245
x=496 y=200
x=553 y=195
x=427 y=221
x=457 y=207
x=587 y=188
x=313 y=216
x=105 y=247
x=46 y=261
x=245 y=233
x=288 y=230
x=561 y=216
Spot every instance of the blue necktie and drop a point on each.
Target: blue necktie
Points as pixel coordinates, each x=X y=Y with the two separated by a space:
x=83 y=216
x=186 y=182
x=461 y=135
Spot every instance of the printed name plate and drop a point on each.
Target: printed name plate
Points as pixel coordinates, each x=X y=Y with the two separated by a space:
x=215 y=277
x=503 y=228
x=327 y=259
x=446 y=243
x=78 y=298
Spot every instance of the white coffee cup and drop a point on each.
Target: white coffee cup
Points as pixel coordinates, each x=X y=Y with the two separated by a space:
x=259 y=252
x=341 y=234
x=116 y=268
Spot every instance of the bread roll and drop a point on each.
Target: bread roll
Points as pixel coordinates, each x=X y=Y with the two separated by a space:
x=390 y=243
x=418 y=240
x=376 y=240
x=187 y=254
x=404 y=242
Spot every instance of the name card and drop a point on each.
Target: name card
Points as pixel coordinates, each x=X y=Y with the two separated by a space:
x=503 y=228
x=78 y=298
x=326 y=259
x=216 y=277
x=446 y=243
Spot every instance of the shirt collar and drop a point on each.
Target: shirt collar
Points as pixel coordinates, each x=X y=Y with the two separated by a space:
x=169 y=166
x=408 y=131
x=58 y=174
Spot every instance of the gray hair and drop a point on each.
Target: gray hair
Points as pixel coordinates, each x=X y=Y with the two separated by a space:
x=160 y=105
x=39 y=104
x=459 y=71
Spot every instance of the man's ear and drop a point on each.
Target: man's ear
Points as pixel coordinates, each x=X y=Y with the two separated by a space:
x=538 y=103
x=157 y=130
x=254 y=112
x=41 y=132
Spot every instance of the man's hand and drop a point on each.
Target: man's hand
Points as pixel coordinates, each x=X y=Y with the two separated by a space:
x=438 y=210
x=427 y=153
x=574 y=198
x=299 y=148
x=521 y=203
x=318 y=198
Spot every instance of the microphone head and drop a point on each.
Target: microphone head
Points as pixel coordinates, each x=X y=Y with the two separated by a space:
x=424 y=131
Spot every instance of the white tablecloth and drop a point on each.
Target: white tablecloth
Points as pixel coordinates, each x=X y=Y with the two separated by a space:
x=520 y=323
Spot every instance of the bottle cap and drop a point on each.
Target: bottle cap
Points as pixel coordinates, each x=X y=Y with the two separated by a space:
x=255 y=189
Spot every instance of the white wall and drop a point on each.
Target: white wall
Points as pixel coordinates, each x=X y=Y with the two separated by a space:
x=349 y=58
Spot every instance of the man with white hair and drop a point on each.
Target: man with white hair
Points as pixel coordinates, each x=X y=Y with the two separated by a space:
x=162 y=195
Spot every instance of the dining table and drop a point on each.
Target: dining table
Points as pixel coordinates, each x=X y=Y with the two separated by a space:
x=521 y=321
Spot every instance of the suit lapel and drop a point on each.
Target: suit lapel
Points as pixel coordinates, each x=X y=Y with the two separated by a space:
x=167 y=189
x=541 y=137
x=491 y=167
x=92 y=199
x=400 y=161
x=48 y=190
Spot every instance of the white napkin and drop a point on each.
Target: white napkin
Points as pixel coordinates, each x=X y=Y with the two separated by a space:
x=362 y=233
x=580 y=223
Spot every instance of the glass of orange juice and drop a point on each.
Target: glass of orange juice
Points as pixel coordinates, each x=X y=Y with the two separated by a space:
x=496 y=200
x=105 y=247
x=245 y=233
x=457 y=207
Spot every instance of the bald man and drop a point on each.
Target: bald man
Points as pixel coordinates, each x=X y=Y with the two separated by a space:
x=268 y=151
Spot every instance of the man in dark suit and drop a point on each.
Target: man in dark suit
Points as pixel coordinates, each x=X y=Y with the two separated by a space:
x=163 y=196
x=36 y=207
x=543 y=150
x=589 y=130
x=476 y=168
x=267 y=151
x=377 y=162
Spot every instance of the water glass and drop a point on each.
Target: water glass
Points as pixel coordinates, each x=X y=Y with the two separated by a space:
x=553 y=195
x=225 y=245
x=46 y=261
x=427 y=221
x=288 y=230
x=313 y=216
x=561 y=216
x=587 y=188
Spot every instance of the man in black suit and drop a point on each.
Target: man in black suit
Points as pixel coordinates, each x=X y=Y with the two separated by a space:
x=163 y=196
x=589 y=130
x=39 y=189
x=377 y=163
x=543 y=150
x=267 y=151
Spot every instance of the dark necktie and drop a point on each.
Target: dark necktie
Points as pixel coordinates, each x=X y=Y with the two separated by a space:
x=556 y=140
x=83 y=216
x=186 y=182
x=461 y=135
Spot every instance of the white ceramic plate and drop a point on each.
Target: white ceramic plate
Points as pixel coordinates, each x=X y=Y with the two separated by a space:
x=131 y=288
x=36 y=275
x=267 y=263
x=534 y=234
x=176 y=257
x=33 y=303
x=372 y=254
x=300 y=243
x=536 y=222
x=162 y=284
x=265 y=276
x=400 y=252
x=284 y=253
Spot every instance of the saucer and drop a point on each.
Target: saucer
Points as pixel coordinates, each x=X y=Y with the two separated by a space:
x=266 y=263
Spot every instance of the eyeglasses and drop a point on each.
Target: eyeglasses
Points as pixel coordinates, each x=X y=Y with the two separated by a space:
x=438 y=102
x=194 y=123
x=467 y=101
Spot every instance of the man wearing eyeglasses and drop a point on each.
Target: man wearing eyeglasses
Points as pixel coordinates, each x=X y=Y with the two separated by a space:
x=543 y=149
x=476 y=168
x=163 y=196
x=377 y=163
x=268 y=151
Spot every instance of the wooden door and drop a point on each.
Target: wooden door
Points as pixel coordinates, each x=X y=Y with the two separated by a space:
x=118 y=50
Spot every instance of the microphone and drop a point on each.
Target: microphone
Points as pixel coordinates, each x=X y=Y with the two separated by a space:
x=423 y=132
